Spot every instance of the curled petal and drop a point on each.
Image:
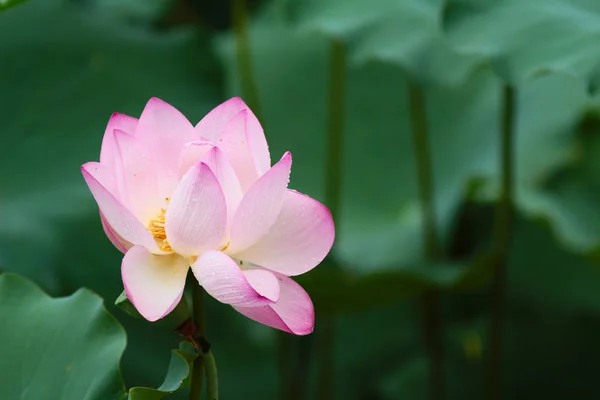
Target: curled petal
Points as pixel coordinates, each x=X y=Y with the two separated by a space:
x=293 y=312
x=264 y=282
x=153 y=283
x=197 y=213
x=223 y=279
x=120 y=219
x=121 y=244
x=260 y=206
x=109 y=153
x=298 y=241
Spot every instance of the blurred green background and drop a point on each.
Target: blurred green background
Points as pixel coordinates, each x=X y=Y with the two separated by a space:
x=65 y=66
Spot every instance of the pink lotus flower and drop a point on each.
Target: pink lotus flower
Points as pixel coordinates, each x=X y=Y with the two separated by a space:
x=173 y=196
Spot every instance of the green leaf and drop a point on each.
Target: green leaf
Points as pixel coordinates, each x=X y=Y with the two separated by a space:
x=5 y=4
x=549 y=111
x=567 y=198
x=178 y=375
x=67 y=348
x=405 y=33
x=524 y=39
x=339 y=18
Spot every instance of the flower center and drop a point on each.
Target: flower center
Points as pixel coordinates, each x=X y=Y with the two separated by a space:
x=156 y=227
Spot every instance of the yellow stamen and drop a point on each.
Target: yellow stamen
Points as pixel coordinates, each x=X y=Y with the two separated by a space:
x=156 y=227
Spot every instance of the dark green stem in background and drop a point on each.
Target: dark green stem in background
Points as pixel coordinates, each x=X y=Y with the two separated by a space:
x=420 y=139
x=325 y=357
x=244 y=61
x=337 y=96
x=333 y=188
x=294 y=362
x=197 y=378
x=299 y=381
x=431 y=320
x=205 y=361
x=501 y=242
x=285 y=355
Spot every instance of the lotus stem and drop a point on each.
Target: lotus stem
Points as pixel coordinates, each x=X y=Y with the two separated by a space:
x=501 y=241
x=431 y=321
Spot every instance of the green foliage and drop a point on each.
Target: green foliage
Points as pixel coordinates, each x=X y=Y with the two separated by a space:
x=5 y=4
x=444 y=42
x=69 y=348
x=372 y=31
x=570 y=195
x=177 y=376
x=66 y=348
x=525 y=39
